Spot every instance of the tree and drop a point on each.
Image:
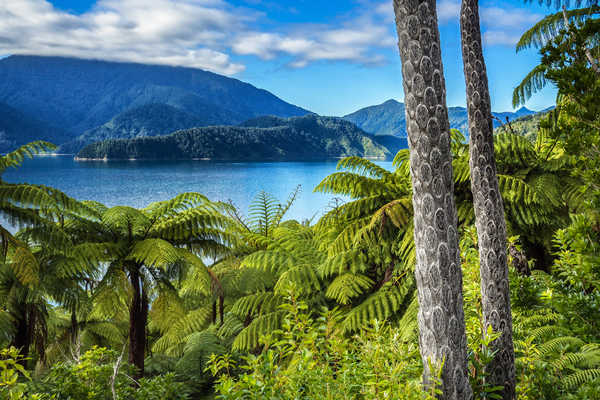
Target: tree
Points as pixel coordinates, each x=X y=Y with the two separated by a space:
x=487 y=202
x=438 y=273
x=40 y=263
x=146 y=252
x=547 y=29
x=16 y=198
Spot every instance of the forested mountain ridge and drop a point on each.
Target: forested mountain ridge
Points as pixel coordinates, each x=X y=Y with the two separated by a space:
x=147 y=120
x=297 y=138
x=526 y=126
x=17 y=128
x=79 y=95
x=388 y=118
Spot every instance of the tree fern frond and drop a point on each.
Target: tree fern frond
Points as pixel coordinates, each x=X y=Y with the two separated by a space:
x=269 y=260
x=581 y=377
x=351 y=184
x=533 y=82
x=353 y=261
x=231 y=326
x=364 y=167
x=200 y=345
x=302 y=277
x=188 y=224
x=156 y=253
x=111 y=296
x=549 y=27
x=24 y=265
x=515 y=190
x=398 y=211
x=402 y=159
x=249 y=337
x=556 y=344
x=16 y=157
x=256 y=304
x=514 y=150
x=193 y=321
x=166 y=310
x=284 y=208
x=347 y=238
x=581 y=359
x=350 y=211
x=169 y=208
x=408 y=329
x=347 y=286
x=381 y=305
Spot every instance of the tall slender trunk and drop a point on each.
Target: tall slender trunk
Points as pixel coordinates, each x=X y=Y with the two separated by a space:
x=221 y=308
x=22 y=339
x=442 y=337
x=74 y=328
x=489 y=210
x=138 y=316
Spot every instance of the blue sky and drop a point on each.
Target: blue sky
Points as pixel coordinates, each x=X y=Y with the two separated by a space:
x=331 y=57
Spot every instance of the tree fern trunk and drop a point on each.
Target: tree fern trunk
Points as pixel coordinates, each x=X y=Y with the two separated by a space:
x=138 y=315
x=22 y=338
x=438 y=273
x=489 y=211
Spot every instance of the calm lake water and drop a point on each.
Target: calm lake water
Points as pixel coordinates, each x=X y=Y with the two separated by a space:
x=137 y=183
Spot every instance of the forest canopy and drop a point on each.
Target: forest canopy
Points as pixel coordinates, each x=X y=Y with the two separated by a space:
x=191 y=297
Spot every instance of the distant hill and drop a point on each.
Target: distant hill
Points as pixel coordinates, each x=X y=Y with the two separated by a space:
x=146 y=120
x=298 y=138
x=384 y=119
x=527 y=126
x=78 y=95
x=389 y=118
x=18 y=128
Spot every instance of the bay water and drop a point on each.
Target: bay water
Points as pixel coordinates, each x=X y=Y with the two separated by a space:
x=138 y=183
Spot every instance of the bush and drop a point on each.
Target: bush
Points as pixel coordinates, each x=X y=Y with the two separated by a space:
x=91 y=378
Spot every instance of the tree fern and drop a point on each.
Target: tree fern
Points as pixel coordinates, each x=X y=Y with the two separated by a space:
x=347 y=286
x=546 y=29
x=249 y=337
x=381 y=305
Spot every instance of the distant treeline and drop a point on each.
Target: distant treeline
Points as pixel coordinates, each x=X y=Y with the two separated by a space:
x=298 y=138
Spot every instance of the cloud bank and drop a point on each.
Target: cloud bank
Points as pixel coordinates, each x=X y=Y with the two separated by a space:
x=214 y=35
x=195 y=33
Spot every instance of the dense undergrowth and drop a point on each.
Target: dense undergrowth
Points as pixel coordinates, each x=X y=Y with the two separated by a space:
x=189 y=297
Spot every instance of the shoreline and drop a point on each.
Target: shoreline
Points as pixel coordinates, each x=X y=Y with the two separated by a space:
x=106 y=159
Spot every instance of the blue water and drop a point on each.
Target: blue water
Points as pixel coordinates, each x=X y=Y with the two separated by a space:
x=138 y=183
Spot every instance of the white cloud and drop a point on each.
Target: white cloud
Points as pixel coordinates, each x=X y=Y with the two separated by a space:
x=187 y=32
x=502 y=38
x=194 y=33
x=515 y=18
x=500 y=25
x=355 y=39
x=448 y=10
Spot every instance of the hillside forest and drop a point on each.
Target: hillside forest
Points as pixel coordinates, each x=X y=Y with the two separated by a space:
x=469 y=271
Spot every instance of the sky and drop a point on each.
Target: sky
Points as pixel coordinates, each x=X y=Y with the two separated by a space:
x=331 y=57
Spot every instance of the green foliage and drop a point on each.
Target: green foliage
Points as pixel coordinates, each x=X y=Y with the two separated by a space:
x=301 y=138
x=97 y=373
x=11 y=374
x=310 y=358
x=555 y=324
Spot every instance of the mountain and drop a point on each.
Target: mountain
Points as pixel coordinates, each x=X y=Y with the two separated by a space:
x=299 y=138
x=146 y=120
x=384 y=119
x=527 y=125
x=78 y=95
x=18 y=128
x=389 y=118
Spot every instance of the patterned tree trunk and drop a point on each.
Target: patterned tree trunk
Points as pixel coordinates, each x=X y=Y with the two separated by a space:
x=438 y=272
x=138 y=317
x=489 y=211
